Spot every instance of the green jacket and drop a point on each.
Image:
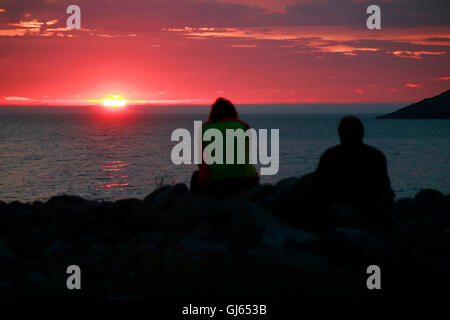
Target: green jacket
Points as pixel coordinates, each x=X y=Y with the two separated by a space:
x=215 y=172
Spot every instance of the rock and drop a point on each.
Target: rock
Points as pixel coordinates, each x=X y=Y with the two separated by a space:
x=98 y=250
x=293 y=202
x=38 y=204
x=67 y=200
x=143 y=257
x=287 y=259
x=36 y=277
x=428 y=194
x=5 y=251
x=353 y=247
x=401 y=203
x=163 y=198
x=436 y=209
x=300 y=239
x=429 y=237
x=9 y=219
x=166 y=237
x=357 y=237
x=253 y=226
x=29 y=243
x=287 y=183
x=262 y=232
x=18 y=208
x=209 y=231
x=198 y=256
x=189 y=211
x=5 y=284
x=64 y=204
x=132 y=215
x=95 y=209
x=253 y=194
x=54 y=250
x=3 y=206
x=344 y=216
x=250 y=222
x=107 y=238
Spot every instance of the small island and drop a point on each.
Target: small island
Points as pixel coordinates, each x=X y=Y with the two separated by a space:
x=437 y=107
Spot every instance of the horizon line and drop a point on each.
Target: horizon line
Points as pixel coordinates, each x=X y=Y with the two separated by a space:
x=206 y=104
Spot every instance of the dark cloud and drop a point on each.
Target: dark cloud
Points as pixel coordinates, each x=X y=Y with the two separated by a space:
x=406 y=13
x=139 y=15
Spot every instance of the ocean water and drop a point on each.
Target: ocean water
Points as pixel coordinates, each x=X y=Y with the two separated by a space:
x=103 y=155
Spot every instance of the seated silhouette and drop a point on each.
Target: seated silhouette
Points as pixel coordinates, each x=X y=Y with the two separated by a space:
x=225 y=179
x=353 y=173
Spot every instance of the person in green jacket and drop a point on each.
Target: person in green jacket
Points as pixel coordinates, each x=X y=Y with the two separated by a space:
x=224 y=178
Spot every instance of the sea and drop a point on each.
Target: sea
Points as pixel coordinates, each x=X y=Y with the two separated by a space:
x=110 y=155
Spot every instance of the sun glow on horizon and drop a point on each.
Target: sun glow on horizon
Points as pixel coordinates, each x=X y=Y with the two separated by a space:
x=115 y=102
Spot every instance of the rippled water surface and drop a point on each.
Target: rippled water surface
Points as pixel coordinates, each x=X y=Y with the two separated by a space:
x=118 y=155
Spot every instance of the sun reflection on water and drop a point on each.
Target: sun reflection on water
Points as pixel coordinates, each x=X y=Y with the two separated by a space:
x=111 y=167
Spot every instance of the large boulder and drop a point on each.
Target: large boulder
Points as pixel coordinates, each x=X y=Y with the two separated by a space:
x=435 y=208
x=293 y=202
x=29 y=243
x=3 y=206
x=10 y=219
x=20 y=209
x=252 y=226
x=67 y=200
x=254 y=194
x=189 y=211
x=211 y=231
x=132 y=215
x=163 y=198
x=66 y=203
x=5 y=251
x=428 y=194
x=55 y=250
x=97 y=209
x=343 y=216
x=287 y=259
x=353 y=248
x=194 y=255
x=141 y=257
x=427 y=237
x=287 y=183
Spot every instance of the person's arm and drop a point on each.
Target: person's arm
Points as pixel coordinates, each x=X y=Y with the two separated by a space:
x=385 y=192
x=321 y=175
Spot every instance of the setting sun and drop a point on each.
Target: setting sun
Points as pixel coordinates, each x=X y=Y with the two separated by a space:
x=115 y=102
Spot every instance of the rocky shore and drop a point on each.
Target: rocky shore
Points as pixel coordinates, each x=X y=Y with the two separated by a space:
x=258 y=244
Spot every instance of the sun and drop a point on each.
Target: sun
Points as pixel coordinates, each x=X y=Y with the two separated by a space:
x=115 y=102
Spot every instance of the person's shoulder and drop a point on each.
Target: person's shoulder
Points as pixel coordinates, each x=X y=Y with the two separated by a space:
x=330 y=152
x=334 y=149
x=374 y=152
x=245 y=124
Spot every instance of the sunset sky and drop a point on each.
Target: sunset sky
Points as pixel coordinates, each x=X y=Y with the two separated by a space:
x=191 y=51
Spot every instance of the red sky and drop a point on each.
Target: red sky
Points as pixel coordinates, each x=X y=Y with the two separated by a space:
x=191 y=51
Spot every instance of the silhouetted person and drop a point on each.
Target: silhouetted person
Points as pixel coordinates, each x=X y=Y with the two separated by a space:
x=354 y=173
x=225 y=179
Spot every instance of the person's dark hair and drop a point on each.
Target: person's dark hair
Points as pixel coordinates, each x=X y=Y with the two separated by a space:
x=222 y=108
x=351 y=130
